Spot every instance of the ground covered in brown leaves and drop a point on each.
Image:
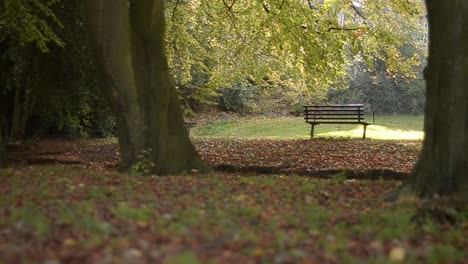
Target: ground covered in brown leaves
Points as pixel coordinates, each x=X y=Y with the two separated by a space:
x=317 y=157
x=64 y=202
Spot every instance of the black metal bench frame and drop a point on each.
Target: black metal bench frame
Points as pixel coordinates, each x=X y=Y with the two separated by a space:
x=189 y=125
x=336 y=114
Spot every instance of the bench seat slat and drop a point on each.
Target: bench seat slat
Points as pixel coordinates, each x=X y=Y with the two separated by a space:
x=336 y=118
x=333 y=111
x=340 y=123
x=334 y=114
x=336 y=105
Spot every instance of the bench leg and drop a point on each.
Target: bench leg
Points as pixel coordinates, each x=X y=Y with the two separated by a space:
x=312 y=131
x=364 y=134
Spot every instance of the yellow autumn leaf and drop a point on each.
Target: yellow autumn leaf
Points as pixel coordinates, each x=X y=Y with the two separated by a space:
x=241 y=197
x=397 y=254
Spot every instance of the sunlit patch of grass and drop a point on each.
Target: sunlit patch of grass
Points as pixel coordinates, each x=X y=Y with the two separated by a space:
x=380 y=132
x=386 y=127
x=376 y=132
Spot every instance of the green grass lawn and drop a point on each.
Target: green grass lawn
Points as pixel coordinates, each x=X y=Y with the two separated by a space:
x=386 y=127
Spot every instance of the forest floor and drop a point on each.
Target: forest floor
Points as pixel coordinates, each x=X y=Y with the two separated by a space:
x=267 y=201
x=317 y=157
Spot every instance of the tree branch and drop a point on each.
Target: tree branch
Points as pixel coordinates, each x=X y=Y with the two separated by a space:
x=358 y=11
x=174 y=10
x=344 y=29
x=233 y=22
x=229 y=7
x=265 y=7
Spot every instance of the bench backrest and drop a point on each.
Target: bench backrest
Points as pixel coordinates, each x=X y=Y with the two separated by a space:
x=347 y=113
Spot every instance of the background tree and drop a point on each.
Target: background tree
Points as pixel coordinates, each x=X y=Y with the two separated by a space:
x=387 y=93
x=23 y=23
x=301 y=47
x=3 y=157
x=70 y=101
x=51 y=89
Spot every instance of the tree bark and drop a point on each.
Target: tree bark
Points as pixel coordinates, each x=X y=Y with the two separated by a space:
x=443 y=164
x=3 y=153
x=21 y=113
x=3 y=156
x=128 y=38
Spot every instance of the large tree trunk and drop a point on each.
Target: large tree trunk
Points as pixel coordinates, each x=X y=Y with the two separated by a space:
x=3 y=156
x=129 y=42
x=21 y=113
x=443 y=165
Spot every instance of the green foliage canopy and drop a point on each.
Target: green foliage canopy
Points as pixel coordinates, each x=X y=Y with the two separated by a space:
x=49 y=80
x=304 y=45
x=29 y=21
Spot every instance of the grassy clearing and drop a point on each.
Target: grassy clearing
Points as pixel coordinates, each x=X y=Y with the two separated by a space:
x=53 y=214
x=386 y=127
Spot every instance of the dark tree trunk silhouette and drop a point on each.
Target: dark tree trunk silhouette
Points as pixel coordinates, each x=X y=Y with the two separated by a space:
x=3 y=154
x=2 y=151
x=443 y=165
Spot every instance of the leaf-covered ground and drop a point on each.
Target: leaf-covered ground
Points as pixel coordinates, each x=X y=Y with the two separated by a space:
x=369 y=158
x=317 y=157
x=65 y=203
x=58 y=214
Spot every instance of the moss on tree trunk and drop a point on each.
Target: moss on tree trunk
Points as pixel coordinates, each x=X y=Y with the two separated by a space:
x=129 y=41
x=443 y=165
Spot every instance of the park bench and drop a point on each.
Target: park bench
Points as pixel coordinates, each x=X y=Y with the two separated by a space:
x=189 y=125
x=336 y=114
